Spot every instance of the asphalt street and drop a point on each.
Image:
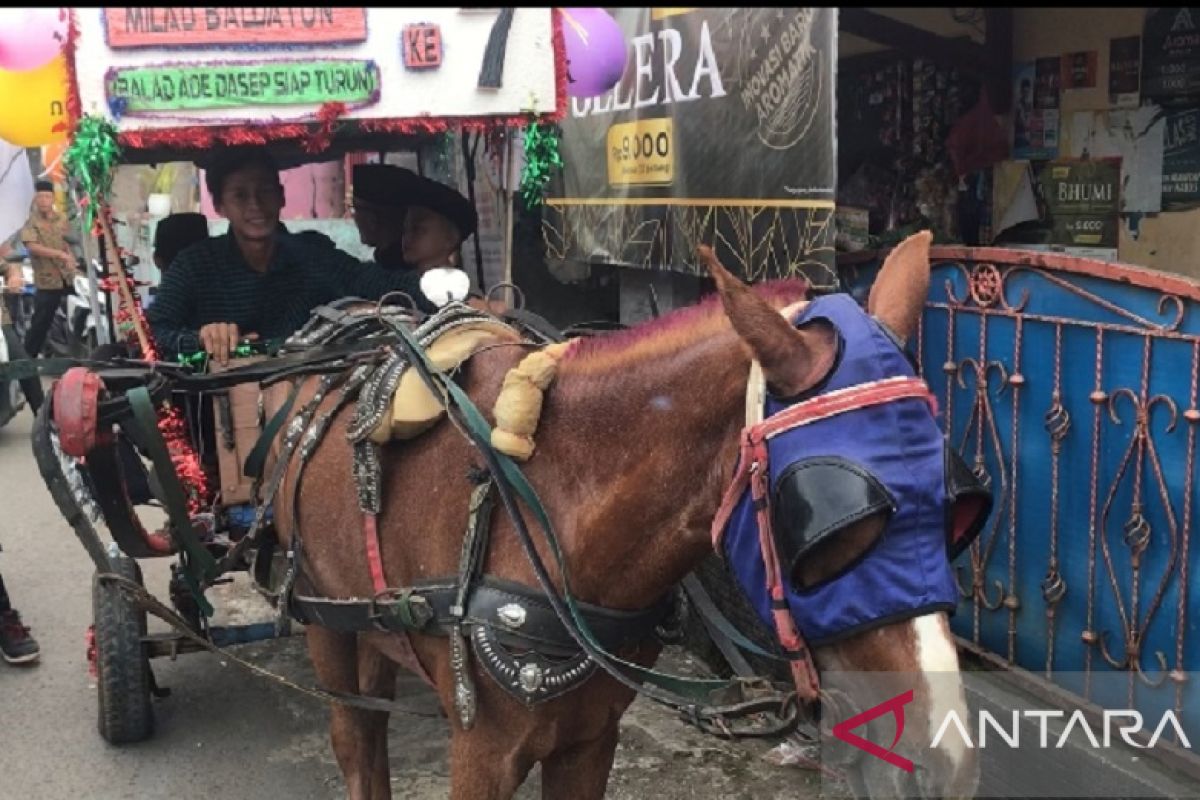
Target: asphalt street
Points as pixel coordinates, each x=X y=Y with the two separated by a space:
x=224 y=733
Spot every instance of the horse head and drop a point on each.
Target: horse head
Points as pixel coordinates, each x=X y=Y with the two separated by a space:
x=852 y=465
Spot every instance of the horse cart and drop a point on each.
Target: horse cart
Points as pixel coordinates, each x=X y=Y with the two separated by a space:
x=121 y=436
x=631 y=455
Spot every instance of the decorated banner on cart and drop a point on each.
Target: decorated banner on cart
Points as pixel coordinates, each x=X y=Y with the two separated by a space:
x=158 y=68
x=720 y=131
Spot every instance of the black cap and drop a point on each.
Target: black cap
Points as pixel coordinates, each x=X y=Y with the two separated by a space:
x=381 y=184
x=178 y=232
x=43 y=186
x=397 y=187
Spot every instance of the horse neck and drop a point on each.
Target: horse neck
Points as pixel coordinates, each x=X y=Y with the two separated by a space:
x=641 y=454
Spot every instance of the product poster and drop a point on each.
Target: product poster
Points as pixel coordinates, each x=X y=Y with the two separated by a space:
x=732 y=145
x=1035 y=112
x=1124 y=71
x=1181 y=161
x=1079 y=70
x=1171 y=57
x=1082 y=201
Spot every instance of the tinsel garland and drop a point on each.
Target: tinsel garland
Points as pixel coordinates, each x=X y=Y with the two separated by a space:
x=90 y=161
x=170 y=420
x=91 y=158
x=74 y=104
x=542 y=157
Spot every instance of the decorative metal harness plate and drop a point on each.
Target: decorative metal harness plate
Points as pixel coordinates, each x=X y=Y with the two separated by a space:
x=529 y=676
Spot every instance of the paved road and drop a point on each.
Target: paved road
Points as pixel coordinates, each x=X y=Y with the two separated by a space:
x=226 y=734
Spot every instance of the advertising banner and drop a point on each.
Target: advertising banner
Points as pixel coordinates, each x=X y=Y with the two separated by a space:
x=721 y=132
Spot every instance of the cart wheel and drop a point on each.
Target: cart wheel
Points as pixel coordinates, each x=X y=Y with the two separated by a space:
x=123 y=678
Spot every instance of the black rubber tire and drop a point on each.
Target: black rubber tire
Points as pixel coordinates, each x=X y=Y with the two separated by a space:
x=123 y=679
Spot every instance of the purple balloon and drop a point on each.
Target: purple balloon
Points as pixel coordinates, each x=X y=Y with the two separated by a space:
x=595 y=51
x=31 y=37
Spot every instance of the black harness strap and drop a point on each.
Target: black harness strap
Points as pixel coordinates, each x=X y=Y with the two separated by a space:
x=428 y=607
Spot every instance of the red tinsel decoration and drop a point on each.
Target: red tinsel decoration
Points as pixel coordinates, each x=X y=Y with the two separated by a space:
x=202 y=137
x=74 y=104
x=170 y=420
x=560 y=69
x=328 y=116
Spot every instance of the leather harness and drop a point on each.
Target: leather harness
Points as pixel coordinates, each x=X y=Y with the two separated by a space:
x=536 y=643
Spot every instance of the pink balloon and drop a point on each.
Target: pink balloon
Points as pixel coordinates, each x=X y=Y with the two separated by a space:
x=31 y=37
x=596 y=51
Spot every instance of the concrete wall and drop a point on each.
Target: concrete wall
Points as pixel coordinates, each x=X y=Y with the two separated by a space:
x=1169 y=241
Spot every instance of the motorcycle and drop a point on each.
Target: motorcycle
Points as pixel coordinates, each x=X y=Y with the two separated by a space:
x=74 y=332
x=12 y=399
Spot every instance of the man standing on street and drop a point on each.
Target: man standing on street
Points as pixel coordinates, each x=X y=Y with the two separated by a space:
x=44 y=235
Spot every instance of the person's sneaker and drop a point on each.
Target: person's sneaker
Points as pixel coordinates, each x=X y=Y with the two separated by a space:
x=16 y=645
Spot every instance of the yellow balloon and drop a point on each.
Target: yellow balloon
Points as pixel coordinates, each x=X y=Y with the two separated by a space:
x=34 y=104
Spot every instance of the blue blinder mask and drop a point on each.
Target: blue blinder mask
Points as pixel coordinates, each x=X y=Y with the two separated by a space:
x=869 y=445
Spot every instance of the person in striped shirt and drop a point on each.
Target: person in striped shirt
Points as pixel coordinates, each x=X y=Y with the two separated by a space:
x=256 y=281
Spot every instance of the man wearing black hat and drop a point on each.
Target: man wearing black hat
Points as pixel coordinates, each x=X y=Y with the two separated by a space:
x=438 y=221
x=45 y=236
x=379 y=209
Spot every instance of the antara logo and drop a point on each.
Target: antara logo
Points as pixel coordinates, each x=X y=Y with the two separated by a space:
x=896 y=707
x=1012 y=736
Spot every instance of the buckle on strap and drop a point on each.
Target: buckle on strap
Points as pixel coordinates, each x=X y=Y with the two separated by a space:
x=395 y=610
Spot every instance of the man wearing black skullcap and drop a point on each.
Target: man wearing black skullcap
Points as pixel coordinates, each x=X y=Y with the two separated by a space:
x=45 y=237
x=379 y=209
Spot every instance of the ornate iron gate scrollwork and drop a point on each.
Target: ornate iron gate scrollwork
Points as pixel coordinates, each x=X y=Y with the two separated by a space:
x=1071 y=385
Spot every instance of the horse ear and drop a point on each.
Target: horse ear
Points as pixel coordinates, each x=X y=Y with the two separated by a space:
x=792 y=360
x=899 y=293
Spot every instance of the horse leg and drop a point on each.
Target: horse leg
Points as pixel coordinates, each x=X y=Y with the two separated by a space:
x=335 y=659
x=377 y=678
x=581 y=772
x=482 y=768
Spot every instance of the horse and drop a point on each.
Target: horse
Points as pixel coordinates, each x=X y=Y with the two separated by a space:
x=637 y=442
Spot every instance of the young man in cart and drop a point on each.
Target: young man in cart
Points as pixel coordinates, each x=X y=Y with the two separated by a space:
x=257 y=281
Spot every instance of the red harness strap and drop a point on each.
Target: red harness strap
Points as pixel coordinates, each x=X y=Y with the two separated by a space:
x=374 y=555
x=753 y=473
x=408 y=657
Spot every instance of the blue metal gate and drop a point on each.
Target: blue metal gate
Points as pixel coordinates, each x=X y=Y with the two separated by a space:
x=1071 y=385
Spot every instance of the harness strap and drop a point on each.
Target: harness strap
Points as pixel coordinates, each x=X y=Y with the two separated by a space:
x=145 y=425
x=256 y=461
x=374 y=558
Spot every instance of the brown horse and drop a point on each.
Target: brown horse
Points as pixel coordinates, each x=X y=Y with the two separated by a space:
x=638 y=440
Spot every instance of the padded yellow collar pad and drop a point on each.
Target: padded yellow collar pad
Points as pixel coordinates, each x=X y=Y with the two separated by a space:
x=414 y=408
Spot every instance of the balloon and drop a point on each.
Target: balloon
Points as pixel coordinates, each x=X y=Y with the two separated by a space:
x=35 y=105
x=595 y=51
x=31 y=37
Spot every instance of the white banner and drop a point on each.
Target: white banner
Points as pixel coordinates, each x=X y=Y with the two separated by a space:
x=154 y=68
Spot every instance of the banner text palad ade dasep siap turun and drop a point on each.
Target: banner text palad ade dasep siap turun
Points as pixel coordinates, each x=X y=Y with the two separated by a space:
x=175 y=87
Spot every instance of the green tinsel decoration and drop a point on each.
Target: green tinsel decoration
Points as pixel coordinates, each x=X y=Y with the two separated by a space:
x=541 y=159
x=91 y=159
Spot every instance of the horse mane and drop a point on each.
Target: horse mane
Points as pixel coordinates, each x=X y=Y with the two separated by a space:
x=670 y=332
